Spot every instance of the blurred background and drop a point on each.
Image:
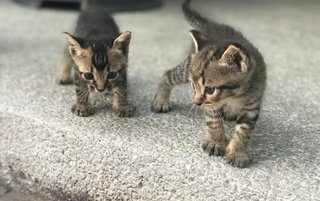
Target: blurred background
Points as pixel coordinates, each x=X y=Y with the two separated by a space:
x=108 y=5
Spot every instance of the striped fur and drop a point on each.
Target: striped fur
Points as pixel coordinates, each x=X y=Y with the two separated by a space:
x=99 y=51
x=228 y=75
x=171 y=78
x=215 y=141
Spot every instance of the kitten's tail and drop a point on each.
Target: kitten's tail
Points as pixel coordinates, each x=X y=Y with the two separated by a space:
x=207 y=26
x=84 y=5
x=194 y=18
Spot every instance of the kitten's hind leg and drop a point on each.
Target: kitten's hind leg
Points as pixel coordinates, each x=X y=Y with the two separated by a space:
x=171 y=78
x=64 y=70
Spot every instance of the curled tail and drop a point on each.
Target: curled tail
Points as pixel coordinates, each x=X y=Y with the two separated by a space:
x=207 y=26
x=194 y=18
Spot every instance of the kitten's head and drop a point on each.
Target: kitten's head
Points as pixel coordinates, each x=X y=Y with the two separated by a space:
x=217 y=71
x=99 y=62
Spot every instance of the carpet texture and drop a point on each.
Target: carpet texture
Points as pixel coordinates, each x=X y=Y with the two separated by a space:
x=47 y=149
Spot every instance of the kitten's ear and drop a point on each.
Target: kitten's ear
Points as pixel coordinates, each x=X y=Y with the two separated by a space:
x=234 y=55
x=121 y=44
x=199 y=40
x=75 y=48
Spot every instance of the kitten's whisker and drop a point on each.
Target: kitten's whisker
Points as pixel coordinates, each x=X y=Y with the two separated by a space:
x=83 y=91
x=83 y=94
x=190 y=110
x=119 y=93
x=196 y=112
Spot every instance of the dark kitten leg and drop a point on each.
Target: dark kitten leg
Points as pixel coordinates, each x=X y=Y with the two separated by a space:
x=237 y=154
x=81 y=107
x=64 y=70
x=215 y=141
x=171 y=78
x=120 y=102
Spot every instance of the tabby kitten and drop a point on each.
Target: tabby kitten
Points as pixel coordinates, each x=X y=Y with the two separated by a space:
x=228 y=75
x=99 y=55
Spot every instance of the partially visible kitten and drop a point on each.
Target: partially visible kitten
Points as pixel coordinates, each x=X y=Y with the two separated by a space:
x=99 y=55
x=228 y=75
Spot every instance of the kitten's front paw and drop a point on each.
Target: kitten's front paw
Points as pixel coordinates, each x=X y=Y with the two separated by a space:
x=65 y=81
x=80 y=110
x=160 y=105
x=65 y=78
x=238 y=159
x=214 y=148
x=125 y=111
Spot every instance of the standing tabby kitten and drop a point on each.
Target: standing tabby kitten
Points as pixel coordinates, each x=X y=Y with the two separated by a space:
x=99 y=55
x=228 y=75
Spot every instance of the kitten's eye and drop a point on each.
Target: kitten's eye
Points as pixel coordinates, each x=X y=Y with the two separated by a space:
x=112 y=75
x=88 y=76
x=209 y=90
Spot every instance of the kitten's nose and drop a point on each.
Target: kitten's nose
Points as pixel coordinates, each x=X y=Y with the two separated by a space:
x=198 y=100
x=198 y=103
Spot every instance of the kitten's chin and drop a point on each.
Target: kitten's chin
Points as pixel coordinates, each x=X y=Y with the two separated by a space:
x=205 y=106
x=210 y=106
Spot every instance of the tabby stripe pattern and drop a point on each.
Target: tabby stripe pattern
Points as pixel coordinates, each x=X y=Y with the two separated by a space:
x=177 y=75
x=214 y=123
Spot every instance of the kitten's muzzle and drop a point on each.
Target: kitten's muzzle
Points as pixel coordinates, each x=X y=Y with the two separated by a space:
x=100 y=87
x=198 y=97
x=198 y=100
x=101 y=90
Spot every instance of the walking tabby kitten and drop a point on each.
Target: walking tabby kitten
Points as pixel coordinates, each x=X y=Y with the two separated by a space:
x=99 y=55
x=228 y=75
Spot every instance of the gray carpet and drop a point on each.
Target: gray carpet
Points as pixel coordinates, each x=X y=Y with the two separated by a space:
x=48 y=150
